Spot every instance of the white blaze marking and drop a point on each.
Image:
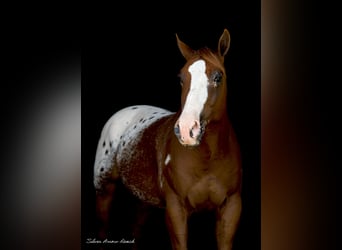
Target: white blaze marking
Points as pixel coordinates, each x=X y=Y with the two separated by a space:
x=195 y=100
x=198 y=92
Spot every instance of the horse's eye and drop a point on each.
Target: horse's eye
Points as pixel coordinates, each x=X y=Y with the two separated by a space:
x=217 y=77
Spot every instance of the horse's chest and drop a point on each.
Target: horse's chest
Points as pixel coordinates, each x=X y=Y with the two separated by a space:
x=208 y=191
x=202 y=182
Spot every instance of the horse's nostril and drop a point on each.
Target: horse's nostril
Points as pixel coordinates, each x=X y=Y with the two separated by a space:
x=191 y=134
x=195 y=130
x=177 y=130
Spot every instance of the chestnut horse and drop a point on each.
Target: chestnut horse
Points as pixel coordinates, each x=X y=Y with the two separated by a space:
x=184 y=161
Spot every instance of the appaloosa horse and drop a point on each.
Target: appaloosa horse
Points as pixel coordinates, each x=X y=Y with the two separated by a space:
x=184 y=161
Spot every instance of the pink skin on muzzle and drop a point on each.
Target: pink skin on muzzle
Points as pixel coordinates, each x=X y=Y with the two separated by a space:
x=189 y=130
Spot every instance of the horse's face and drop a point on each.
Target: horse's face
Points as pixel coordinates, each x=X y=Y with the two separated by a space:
x=203 y=81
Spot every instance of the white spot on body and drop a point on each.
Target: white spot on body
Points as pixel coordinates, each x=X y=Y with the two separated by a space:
x=168 y=159
x=197 y=96
x=160 y=176
x=121 y=129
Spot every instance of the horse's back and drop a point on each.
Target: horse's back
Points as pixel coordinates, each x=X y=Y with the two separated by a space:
x=119 y=138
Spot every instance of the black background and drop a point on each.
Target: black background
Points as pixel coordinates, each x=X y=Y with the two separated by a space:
x=135 y=60
x=41 y=50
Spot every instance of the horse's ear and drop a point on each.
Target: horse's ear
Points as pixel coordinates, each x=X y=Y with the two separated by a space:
x=186 y=51
x=224 y=43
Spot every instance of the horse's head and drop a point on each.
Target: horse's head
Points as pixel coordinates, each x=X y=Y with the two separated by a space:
x=204 y=90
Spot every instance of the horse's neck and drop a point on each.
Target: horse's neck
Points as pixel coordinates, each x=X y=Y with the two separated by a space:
x=217 y=135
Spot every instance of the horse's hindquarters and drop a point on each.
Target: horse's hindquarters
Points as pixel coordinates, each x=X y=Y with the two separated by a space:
x=126 y=147
x=138 y=171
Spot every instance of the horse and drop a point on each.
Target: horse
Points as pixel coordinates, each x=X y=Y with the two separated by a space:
x=185 y=161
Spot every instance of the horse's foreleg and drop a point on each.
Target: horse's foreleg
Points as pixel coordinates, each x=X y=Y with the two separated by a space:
x=176 y=219
x=228 y=217
x=104 y=200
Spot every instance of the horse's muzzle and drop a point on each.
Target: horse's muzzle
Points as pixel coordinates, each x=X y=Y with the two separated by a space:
x=189 y=135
